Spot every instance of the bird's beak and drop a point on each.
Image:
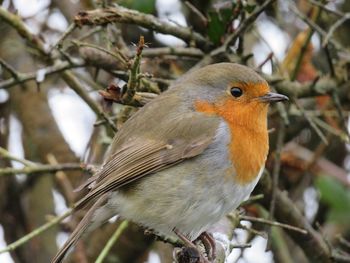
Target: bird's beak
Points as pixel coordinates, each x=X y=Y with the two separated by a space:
x=272 y=97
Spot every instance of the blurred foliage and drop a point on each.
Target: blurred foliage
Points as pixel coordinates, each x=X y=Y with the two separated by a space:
x=217 y=26
x=144 y=6
x=337 y=197
x=220 y=18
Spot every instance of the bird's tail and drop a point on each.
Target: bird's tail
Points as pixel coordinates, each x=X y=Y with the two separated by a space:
x=96 y=216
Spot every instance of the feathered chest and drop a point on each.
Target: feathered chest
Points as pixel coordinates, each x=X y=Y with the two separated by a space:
x=248 y=145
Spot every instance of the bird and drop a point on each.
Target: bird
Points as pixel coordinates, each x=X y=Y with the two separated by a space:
x=186 y=159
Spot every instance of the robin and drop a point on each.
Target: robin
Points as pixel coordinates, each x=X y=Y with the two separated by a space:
x=187 y=158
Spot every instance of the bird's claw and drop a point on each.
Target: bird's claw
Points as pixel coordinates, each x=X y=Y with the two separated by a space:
x=209 y=244
x=190 y=253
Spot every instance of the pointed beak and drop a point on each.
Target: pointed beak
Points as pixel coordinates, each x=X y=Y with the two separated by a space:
x=272 y=97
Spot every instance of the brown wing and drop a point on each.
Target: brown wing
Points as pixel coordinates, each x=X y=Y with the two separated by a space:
x=141 y=156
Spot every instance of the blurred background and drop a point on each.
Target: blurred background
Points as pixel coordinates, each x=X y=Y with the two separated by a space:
x=62 y=74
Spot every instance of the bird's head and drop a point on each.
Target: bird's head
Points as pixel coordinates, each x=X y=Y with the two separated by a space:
x=233 y=91
x=240 y=97
x=234 y=82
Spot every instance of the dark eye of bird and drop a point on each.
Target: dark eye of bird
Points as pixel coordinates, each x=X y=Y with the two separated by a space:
x=236 y=92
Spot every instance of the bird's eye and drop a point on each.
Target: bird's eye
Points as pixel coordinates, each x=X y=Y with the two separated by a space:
x=236 y=92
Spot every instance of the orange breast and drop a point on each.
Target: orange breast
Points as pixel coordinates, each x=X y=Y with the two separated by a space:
x=249 y=138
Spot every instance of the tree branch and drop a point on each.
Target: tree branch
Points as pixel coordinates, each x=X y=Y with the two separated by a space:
x=286 y=212
x=36 y=232
x=42 y=168
x=123 y=15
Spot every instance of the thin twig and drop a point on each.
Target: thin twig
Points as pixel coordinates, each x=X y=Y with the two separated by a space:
x=253 y=231
x=11 y=70
x=210 y=58
x=304 y=47
x=111 y=241
x=312 y=244
x=295 y=89
x=201 y=17
x=36 y=232
x=41 y=73
x=125 y=76
x=341 y=257
x=68 y=31
x=277 y=166
x=311 y=122
x=83 y=37
x=267 y=59
x=334 y=27
x=329 y=60
x=325 y=8
x=240 y=246
x=242 y=27
x=252 y=199
x=119 y=55
x=314 y=26
x=337 y=104
x=276 y=171
x=177 y=51
x=7 y=155
x=343 y=241
x=273 y=223
x=342 y=135
x=42 y=168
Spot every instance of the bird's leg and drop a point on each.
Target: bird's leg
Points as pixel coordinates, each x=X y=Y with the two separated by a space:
x=209 y=244
x=192 y=248
x=184 y=239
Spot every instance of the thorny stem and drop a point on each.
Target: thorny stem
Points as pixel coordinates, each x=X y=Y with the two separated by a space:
x=134 y=72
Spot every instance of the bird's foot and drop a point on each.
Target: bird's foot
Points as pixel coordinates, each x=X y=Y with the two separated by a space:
x=187 y=255
x=209 y=244
x=190 y=252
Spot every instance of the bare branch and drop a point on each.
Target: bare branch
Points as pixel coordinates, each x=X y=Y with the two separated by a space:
x=120 y=14
x=36 y=232
x=42 y=168
x=22 y=30
x=111 y=241
x=40 y=74
x=273 y=223
x=286 y=212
